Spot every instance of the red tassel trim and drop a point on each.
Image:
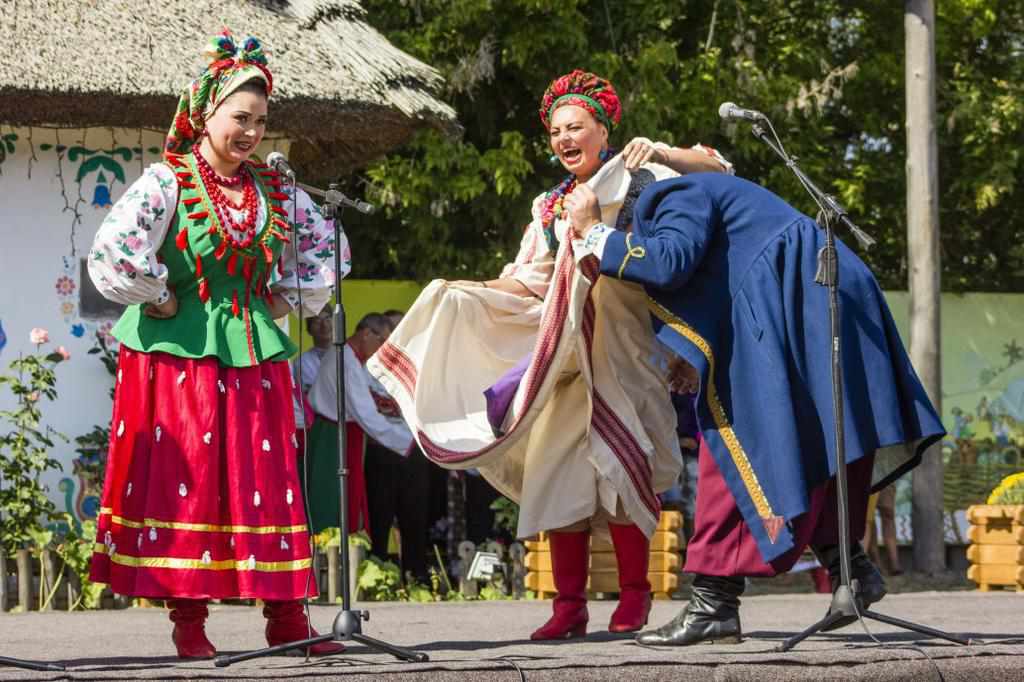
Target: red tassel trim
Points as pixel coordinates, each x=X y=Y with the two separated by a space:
x=268 y=255
x=247 y=269
x=191 y=201
x=199 y=266
x=186 y=185
x=279 y=210
x=221 y=249
x=212 y=230
x=233 y=264
x=280 y=268
x=282 y=224
x=273 y=183
x=199 y=215
x=280 y=236
x=184 y=175
x=234 y=303
x=181 y=241
x=176 y=161
x=280 y=196
x=268 y=296
x=204 y=290
x=268 y=173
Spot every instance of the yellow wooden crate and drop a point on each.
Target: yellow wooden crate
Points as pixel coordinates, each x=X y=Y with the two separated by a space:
x=997 y=549
x=996 y=535
x=604 y=581
x=664 y=567
x=990 y=575
x=605 y=561
x=996 y=554
x=996 y=514
x=662 y=541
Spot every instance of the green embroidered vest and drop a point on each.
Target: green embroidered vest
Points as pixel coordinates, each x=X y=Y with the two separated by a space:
x=221 y=290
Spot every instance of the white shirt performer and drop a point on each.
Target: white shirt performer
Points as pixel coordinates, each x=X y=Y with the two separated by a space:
x=363 y=418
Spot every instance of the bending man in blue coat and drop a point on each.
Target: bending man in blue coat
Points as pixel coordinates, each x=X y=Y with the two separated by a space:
x=729 y=270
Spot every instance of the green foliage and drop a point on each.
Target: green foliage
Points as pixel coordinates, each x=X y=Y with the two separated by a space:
x=830 y=74
x=25 y=451
x=506 y=516
x=76 y=550
x=379 y=580
x=331 y=537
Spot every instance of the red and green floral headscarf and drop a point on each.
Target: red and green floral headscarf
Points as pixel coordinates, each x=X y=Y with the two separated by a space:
x=584 y=89
x=228 y=67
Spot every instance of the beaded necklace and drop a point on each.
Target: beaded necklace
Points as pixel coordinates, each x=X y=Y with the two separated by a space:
x=222 y=205
x=554 y=203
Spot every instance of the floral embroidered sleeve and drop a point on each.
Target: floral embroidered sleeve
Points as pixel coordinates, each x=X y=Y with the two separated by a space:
x=313 y=270
x=123 y=261
x=716 y=155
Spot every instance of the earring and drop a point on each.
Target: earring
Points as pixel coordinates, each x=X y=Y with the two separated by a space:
x=604 y=154
x=553 y=159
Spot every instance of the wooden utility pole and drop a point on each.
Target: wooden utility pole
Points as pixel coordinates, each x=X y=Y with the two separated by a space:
x=925 y=270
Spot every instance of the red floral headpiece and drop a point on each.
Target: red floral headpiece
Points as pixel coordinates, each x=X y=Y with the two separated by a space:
x=583 y=89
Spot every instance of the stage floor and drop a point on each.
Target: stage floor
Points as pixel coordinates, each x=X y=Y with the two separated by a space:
x=487 y=640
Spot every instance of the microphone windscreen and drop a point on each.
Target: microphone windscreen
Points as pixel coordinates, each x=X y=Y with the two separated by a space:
x=726 y=109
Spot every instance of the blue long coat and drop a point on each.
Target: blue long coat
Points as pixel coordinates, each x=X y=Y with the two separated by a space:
x=729 y=268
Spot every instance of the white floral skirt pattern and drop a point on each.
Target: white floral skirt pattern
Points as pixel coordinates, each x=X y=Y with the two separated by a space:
x=202 y=495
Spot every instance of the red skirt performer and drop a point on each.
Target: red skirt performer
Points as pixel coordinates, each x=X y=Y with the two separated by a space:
x=544 y=378
x=202 y=498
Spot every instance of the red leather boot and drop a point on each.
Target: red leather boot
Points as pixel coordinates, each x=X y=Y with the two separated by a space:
x=287 y=622
x=632 y=552
x=570 y=565
x=189 y=636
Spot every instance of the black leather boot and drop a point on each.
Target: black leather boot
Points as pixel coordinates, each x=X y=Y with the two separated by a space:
x=872 y=585
x=712 y=616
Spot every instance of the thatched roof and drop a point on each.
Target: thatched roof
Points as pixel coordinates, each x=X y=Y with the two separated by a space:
x=342 y=92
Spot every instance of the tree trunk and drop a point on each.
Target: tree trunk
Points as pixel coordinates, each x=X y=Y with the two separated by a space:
x=925 y=271
x=3 y=580
x=24 y=561
x=47 y=582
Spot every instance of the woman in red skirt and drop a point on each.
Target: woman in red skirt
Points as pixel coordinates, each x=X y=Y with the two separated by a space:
x=202 y=498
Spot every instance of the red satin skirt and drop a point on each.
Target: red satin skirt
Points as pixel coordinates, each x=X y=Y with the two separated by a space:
x=723 y=545
x=202 y=496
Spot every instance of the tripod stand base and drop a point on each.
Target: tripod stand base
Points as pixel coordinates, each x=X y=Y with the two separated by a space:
x=31 y=665
x=347 y=627
x=834 y=616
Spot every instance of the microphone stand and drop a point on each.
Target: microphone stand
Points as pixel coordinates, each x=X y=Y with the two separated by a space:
x=846 y=601
x=348 y=622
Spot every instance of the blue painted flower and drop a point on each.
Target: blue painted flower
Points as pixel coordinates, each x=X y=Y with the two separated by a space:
x=78 y=330
x=3 y=337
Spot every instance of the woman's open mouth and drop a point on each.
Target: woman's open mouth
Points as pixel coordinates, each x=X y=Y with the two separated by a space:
x=244 y=147
x=572 y=156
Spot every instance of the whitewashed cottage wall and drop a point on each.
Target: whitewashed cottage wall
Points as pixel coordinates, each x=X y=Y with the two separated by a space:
x=56 y=186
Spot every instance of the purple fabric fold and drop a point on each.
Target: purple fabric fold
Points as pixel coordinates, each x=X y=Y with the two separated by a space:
x=502 y=392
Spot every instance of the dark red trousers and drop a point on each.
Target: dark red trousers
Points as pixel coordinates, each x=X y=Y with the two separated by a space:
x=723 y=545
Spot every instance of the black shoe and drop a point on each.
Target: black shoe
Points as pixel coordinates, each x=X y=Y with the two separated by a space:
x=712 y=616
x=870 y=582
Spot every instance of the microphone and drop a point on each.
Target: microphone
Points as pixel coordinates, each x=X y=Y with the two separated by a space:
x=729 y=111
x=359 y=205
x=277 y=161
